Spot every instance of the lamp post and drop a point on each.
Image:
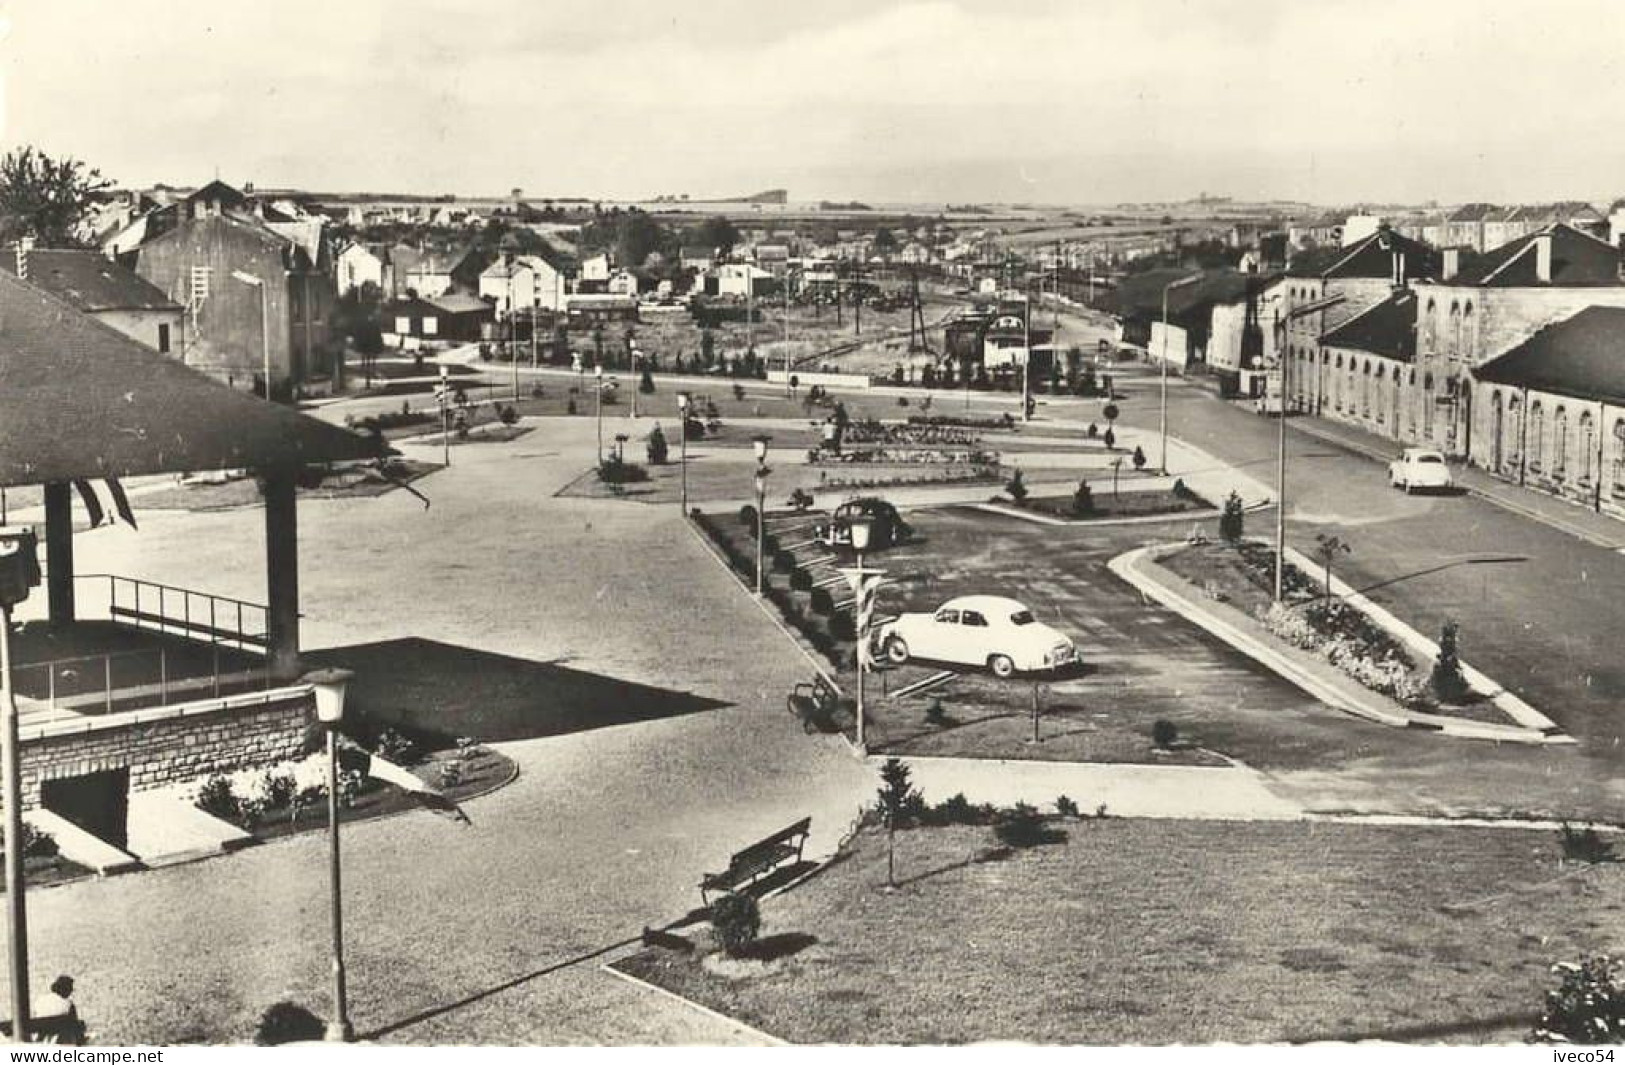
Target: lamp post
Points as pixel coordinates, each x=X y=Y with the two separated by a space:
x=598 y=389
x=1162 y=420
x=861 y=530
x=682 y=463
x=19 y=572
x=265 y=324
x=329 y=686
x=633 y=354
x=759 y=444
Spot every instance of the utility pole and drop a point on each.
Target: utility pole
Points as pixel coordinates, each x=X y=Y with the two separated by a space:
x=1280 y=468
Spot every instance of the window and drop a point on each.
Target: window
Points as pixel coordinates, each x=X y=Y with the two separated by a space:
x=431 y=326
x=403 y=326
x=1513 y=430
x=1619 y=457
x=1022 y=617
x=163 y=338
x=944 y=617
x=971 y=617
x=1588 y=447
x=1427 y=405
x=1560 y=442
x=1537 y=434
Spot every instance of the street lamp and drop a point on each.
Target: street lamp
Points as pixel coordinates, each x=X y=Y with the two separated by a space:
x=682 y=431
x=329 y=686
x=862 y=528
x=19 y=573
x=265 y=323
x=1162 y=458
x=633 y=355
x=598 y=387
x=759 y=445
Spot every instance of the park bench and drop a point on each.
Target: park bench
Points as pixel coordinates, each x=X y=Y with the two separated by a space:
x=755 y=861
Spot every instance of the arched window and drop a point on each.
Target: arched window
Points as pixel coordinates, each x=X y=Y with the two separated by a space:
x=1619 y=456
x=1429 y=327
x=1537 y=435
x=1588 y=448
x=1560 y=443
x=1427 y=405
x=1468 y=340
x=1365 y=390
x=1513 y=431
x=1453 y=338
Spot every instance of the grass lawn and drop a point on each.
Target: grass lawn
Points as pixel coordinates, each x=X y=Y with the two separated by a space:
x=717 y=479
x=1243 y=575
x=245 y=491
x=1120 y=505
x=1142 y=931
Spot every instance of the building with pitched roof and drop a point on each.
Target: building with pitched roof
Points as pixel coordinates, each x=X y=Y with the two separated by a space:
x=1367 y=377
x=1550 y=412
x=112 y=294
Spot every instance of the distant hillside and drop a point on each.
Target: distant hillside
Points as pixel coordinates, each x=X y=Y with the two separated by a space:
x=777 y=196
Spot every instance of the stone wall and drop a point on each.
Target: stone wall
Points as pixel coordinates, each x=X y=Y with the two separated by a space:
x=1564 y=446
x=168 y=744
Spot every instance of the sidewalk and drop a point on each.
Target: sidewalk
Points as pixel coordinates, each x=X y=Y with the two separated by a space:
x=1576 y=521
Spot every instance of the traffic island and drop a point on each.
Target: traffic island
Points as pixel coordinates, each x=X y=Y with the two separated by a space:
x=1331 y=641
x=1162 y=932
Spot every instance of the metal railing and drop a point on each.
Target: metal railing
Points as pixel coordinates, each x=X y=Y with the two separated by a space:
x=219 y=619
x=127 y=680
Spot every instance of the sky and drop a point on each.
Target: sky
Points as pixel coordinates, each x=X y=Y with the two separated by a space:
x=1041 y=101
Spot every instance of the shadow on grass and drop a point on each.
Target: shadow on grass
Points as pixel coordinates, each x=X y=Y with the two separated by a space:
x=782 y=945
x=440 y=689
x=1424 y=1032
x=985 y=857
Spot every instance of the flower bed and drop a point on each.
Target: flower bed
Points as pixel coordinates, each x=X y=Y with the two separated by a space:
x=1106 y=505
x=871 y=431
x=1243 y=575
x=906 y=456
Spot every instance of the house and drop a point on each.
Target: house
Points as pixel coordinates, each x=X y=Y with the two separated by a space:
x=359 y=264
x=99 y=287
x=1327 y=287
x=696 y=258
x=585 y=308
x=737 y=279
x=1368 y=375
x=439 y=272
x=622 y=283
x=1480 y=307
x=1243 y=336
x=595 y=268
x=454 y=316
x=253 y=298
x=774 y=258
x=1138 y=304
x=1464 y=226
x=1549 y=413
x=554 y=273
x=509 y=282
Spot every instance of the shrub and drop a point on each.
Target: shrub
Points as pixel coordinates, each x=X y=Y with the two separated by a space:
x=934 y=713
x=958 y=810
x=1232 y=523
x=821 y=601
x=508 y=415
x=1164 y=733
x=451 y=773
x=800 y=580
x=1588 y=1005
x=1022 y=826
x=38 y=843
x=770 y=544
x=841 y=626
x=784 y=561
x=1139 y=457
x=1180 y=489
x=1016 y=489
x=747 y=515
x=646 y=384
x=285 y=1022
x=1447 y=680
x=1083 y=500
x=1066 y=807
x=739 y=392
x=570 y=405
x=737 y=921
x=278 y=789
x=217 y=798
x=656 y=448
x=615 y=470
x=1584 y=844
x=392 y=746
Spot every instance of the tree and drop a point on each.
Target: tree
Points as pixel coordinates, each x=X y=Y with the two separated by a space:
x=46 y=197
x=1232 y=520
x=1588 y=1007
x=1327 y=548
x=736 y=920
x=715 y=232
x=885 y=243
x=897 y=798
x=1448 y=681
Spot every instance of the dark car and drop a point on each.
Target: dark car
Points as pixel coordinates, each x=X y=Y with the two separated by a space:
x=888 y=528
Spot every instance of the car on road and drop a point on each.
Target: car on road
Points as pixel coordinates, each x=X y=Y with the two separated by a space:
x=887 y=526
x=1419 y=467
x=978 y=630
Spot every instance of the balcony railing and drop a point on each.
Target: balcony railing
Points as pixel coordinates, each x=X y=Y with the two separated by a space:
x=217 y=619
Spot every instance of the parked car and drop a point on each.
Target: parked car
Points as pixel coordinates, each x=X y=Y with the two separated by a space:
x=1419 y=467
x=978 y=630
x=888 y=527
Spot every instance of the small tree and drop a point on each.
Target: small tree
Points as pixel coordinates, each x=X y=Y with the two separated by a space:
x=1083 y=500
x=1232 y=521
x=736 y=920
x=1016 y=489
x=1139 y=457
x=646 y=383
x=1448 y=681
x=1327 y=548
x=897 y=797
x=1588 y=1005
x=656 y=447
x=1110 y=438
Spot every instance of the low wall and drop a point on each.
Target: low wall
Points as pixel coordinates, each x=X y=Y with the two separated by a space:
x=828 y=380
x=168 y=744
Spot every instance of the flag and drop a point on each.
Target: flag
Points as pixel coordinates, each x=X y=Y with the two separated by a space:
x=121 y=502
x=93 y=506
x=97 y=511
x=354 y=759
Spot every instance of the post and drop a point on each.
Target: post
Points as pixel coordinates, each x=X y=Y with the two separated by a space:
x=632 y=356
x=863 y=656
x=443 y=397
x=59 y=552
x=1280 y=479
x=761 y=527
x=338 y=1029
x=598 y=379
x=1036 y=711
x=11 y=770
x=281 y=574
x=1162 y=417
x=265 y=335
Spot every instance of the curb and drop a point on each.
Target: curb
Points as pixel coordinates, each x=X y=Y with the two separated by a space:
x=1143 y=519
x=1127 y=567
x=771 y=1040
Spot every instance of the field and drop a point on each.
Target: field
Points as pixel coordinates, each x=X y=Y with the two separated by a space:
x=1158 y=932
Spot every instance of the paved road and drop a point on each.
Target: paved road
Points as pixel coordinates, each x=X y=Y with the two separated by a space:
x=605 y=831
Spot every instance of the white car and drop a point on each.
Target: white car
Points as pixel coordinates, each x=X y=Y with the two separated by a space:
x=1419 y=467
x=978 y=630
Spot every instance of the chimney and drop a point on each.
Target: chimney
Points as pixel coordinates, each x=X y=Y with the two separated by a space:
x=1452 y=264
x=1543 y=257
